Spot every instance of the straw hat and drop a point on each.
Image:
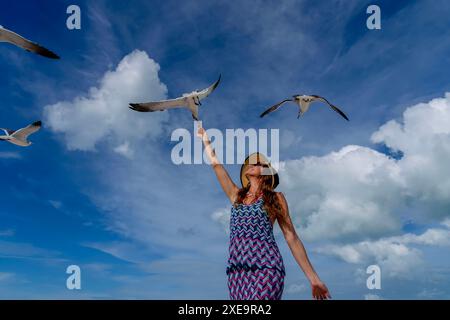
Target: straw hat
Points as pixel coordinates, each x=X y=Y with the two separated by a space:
x=269 y=170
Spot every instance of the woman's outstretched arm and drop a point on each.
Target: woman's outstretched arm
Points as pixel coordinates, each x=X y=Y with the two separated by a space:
x=227 y=184
x=319 y=289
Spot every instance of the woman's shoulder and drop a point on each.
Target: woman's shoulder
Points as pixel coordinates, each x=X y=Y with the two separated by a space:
x=281 y=197
x=279 y=194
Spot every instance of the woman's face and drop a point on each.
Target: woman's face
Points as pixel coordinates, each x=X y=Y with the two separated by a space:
x=254 y=170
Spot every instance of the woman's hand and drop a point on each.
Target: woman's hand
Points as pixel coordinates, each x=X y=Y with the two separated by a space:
x=320 y=291
x=201 y=132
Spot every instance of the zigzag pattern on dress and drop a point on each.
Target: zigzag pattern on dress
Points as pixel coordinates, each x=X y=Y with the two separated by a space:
x=266 y=284
x=255 y=266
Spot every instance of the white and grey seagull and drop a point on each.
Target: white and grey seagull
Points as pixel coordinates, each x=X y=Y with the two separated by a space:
x=187 y=100
x=19 y=137
x=15 y=39
x=304 y=102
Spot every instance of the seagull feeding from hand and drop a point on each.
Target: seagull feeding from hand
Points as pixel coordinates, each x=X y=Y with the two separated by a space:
x=304 y=101
x=187 y=100
x=19 y=137
x=15 y=39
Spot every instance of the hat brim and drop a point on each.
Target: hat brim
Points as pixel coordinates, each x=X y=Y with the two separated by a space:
x=254 y=158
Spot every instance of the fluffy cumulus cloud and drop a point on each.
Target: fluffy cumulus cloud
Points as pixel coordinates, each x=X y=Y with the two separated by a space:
x=347 y=194
x=397 y=256
x=424 y=140
x=102 y=113
x=358 y=193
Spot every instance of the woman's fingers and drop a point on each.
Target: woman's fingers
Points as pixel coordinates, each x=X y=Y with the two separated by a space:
x=316 y=293
x=200 y=132
x=320 y=293
x=323 y=294
x=327 y=294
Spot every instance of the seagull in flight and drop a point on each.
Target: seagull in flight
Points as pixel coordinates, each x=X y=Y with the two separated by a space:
x=304 y=101
x=19 y=137
x=187 y=100
x=15 y=39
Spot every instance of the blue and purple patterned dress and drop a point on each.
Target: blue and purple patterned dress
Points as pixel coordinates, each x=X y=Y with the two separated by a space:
x=255 y=266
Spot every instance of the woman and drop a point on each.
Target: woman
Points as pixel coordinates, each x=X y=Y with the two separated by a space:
x=255 y=266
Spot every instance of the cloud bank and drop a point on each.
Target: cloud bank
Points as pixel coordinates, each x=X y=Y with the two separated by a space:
x=359 y=193
x=102 y=114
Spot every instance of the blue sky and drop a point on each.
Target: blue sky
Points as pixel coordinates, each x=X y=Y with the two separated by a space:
x=98 y=189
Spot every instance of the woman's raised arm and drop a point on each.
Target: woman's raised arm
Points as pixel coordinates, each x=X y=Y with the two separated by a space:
x=227 y=184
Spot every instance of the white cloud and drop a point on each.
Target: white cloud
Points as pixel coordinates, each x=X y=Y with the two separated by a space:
x=123 y=250
x=55 y=204
x=7 y=233
x=9 y=155
x=102 y=114
x=347 y=194
x=371 y=296
x=294 y=288
x=357 y=192
x=20 y=250
x=6 y=276
x=430 y=294
x=434 y=237
x=222 y=216
x=395 y=259
x=97 y=268
x=125 y=150
x=392 y=254
x=446 y=222
x=424 y=138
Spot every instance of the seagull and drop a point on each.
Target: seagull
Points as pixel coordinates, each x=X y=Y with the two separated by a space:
x=304 y=101
x=13 y=38
x=187 y=100
x=19 y=137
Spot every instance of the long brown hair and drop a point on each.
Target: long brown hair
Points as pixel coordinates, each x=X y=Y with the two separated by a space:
x=271 y=203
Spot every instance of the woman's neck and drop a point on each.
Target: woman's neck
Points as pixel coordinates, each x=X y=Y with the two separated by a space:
x=254 y=185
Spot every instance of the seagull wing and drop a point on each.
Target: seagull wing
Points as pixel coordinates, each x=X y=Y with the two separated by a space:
x=273 y=108
x=159 y=105
x=194 y=110
x=7 y=131
x=319 y=98
x=11 y=37
x=23 y=133
x=206 y=92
